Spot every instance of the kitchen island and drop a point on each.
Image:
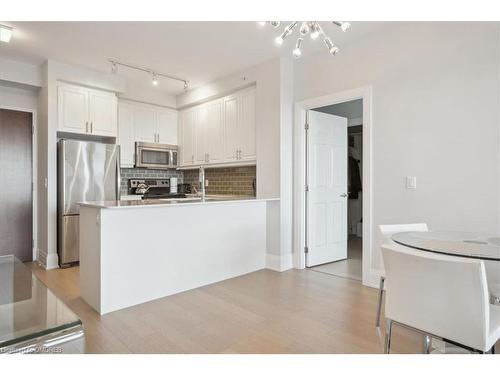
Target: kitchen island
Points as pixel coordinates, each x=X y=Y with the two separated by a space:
x=132 y=252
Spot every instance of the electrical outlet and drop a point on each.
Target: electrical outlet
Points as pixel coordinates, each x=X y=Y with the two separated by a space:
x=206 y=182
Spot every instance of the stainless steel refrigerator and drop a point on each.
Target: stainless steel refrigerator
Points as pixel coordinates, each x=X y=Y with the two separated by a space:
x=87 y=171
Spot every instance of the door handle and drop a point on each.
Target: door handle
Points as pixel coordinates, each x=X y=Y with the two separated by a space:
x=345 y=195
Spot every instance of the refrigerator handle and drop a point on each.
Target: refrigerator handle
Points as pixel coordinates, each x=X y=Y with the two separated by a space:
x=118 y=175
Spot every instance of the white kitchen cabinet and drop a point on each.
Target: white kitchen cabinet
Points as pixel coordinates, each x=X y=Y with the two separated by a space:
x=72 y=107
x=103 y=112
x=246 y=124
x=187 y=140
x=86 y=111
x=231 y=131
x=166 y=126
x=126 y=134
x=200 y=134
x=138 y=122
x=145 y=123
x=214 y=132
x=239 y=126
x=221 y=131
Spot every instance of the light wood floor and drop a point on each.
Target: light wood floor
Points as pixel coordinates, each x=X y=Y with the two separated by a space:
x=298 y=311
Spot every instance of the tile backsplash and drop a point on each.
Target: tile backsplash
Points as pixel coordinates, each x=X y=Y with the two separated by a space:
x=141 y=173
x=226 y=181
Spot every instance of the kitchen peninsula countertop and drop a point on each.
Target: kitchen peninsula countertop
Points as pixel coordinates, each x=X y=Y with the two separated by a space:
x=209 y=199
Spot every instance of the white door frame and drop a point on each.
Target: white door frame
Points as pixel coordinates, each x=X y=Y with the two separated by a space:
x=34 y=158
x=370 y=275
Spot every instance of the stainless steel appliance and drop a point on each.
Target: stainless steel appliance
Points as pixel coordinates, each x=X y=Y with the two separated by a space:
x=153 y=189
x=155 y=155
x=87 y=171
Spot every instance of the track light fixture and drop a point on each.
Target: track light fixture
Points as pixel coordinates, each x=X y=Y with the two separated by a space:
x=155 y=75
x=313 y=28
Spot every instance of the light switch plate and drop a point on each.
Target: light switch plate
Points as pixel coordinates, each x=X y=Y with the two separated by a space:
x=411 y=182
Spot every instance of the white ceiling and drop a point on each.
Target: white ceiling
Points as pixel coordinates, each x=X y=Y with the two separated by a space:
x=197 y=51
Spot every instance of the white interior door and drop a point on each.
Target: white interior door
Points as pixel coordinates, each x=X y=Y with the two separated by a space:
x=327 y=196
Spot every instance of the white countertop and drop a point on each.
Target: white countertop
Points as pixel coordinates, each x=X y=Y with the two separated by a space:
x=171 y=202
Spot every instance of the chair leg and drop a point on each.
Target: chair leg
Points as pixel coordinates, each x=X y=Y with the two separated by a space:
x=427 y=344
x=380 y=297
x=388 y=336
x=492 y=351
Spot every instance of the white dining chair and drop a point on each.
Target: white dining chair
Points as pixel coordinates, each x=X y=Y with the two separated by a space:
x=385 y=233
x=492 y=268
x=440 y=296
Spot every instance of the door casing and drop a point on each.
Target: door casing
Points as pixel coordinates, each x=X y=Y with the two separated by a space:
x=34 y=158
x=371 y=274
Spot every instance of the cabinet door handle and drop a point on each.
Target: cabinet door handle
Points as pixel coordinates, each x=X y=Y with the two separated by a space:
x=86 y=126
x=91 y=127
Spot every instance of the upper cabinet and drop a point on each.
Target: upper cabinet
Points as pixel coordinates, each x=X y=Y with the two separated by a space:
x=86 y=111
x=166 y=120
x=220 y=131
x=138 y=122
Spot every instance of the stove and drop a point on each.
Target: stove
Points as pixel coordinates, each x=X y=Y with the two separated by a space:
x=153 y=189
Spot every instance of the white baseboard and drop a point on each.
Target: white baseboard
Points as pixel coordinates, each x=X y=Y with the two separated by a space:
x=48 y=260
x=372 y=279
x=279 y=263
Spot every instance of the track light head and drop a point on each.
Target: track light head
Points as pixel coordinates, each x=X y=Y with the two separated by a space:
x=155 y=79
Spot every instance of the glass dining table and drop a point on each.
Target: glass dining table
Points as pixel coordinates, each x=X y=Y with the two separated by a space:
x=32 y=318
x=462 y=244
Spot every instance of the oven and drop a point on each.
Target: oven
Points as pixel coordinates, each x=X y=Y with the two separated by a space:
x=155 y=155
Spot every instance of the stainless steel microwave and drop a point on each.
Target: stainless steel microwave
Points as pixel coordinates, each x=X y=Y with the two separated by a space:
x=155 y=155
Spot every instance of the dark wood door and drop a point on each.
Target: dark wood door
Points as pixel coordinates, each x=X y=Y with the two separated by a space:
x=16 y=201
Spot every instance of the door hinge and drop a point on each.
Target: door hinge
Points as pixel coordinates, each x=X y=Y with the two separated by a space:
x=306 y=249
x=306 y=126
x=306 y=187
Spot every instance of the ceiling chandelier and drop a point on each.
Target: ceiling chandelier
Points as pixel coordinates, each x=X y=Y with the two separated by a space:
x=313 y=28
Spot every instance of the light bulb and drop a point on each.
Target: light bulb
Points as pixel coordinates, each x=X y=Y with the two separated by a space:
x=262 y=23
x=332 y=48
x=297 y=52
x=155 y=80
x=315 y=31
x=186 y=85
x=288 y=30
x=304 y=28
x=345 y=26
x=275 y=24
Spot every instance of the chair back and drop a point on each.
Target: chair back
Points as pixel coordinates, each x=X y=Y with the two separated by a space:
x=387 y=230
x=442 y=295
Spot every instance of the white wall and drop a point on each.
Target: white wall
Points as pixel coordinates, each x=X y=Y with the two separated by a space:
x=18 y=96
x=435 y=116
